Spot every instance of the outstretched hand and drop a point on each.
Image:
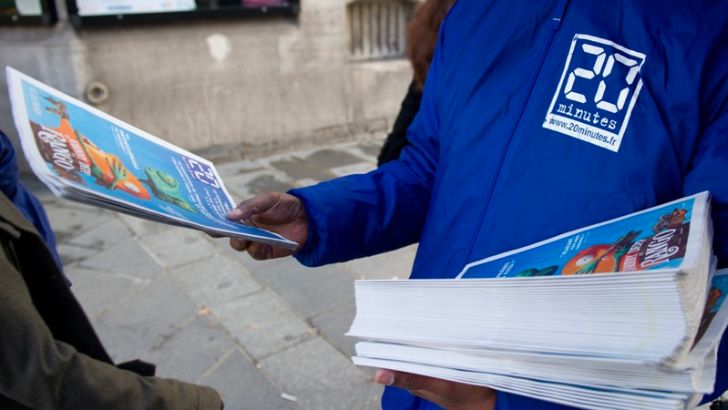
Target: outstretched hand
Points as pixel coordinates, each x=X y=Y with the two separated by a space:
x=444 y=393
x=278 y=212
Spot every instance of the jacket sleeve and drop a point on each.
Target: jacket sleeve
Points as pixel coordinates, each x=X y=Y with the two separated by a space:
x=362 y=215
x=709 y=171
x=40 y=372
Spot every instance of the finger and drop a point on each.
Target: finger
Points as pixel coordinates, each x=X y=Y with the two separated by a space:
x=417 y=385
x=239 y=244
x=412 y=381
x=257 y=204
x=385 y=377
x=259 y=251
x=444 y=393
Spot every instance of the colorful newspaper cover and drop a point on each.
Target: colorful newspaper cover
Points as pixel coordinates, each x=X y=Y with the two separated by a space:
x=90 y=151
x=653 y=239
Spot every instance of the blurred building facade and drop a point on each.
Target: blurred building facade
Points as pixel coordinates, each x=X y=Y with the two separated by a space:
x=232 y=86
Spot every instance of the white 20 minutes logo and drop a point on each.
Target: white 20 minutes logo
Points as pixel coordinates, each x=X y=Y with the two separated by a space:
x=597 y=92
x=600 y=68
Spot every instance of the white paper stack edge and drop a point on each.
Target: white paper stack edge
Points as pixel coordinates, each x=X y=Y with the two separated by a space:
x=622 y=340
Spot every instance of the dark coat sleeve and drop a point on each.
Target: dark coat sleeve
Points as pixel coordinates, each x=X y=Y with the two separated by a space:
x=41 y=372
x=397 y=138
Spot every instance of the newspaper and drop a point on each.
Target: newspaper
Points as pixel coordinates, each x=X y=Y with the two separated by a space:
x=616 y=383
x=633 y=287
x=657 y=238
x=86 y=155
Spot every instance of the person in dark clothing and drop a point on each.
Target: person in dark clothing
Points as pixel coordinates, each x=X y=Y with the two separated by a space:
x=50 y=356
x=397 y=138
x=421 y=39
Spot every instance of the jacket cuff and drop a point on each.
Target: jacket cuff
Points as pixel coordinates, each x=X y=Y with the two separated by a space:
x=208 y=399
x=308 y=254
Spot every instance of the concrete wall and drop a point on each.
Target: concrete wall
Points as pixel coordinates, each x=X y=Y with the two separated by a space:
x=226 y=88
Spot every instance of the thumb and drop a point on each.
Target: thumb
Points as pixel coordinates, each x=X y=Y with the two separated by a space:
x=411 y=381
x=385 y=377
x=258 y=204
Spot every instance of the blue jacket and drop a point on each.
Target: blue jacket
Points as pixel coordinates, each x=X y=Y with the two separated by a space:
x=539 y=117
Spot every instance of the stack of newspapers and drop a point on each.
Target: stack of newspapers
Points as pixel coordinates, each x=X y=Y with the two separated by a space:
x=626 y=314
x=83 y=154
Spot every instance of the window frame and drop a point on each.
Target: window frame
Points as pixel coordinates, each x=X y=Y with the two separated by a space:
x=360 y=34
x=290 y=9
x=48 y=16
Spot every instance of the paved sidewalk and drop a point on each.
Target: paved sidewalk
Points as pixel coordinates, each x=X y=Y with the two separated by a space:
x=267 y=335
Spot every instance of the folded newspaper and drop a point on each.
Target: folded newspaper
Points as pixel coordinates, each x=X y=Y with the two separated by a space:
x=625 y=314
x=83 y=154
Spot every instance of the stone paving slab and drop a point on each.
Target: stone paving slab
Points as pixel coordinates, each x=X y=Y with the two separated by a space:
x=216 y=281
x=87 y=283
x=127 y=257
x=242 y=186
x=309 y=291
x=71 y=254
x=299 y=168
x=243 y=386
x=320 y=377
x=263 y=323
x=140 y=227
x=178 y=246
x=191 y=351
x=69 y=218
x=145 y=319
x=369 y=149
x=333 y=326
x=331 y=158
x=100 y=236
x=395 y=264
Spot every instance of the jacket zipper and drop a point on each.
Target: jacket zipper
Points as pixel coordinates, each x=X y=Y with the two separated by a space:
x=555 y=24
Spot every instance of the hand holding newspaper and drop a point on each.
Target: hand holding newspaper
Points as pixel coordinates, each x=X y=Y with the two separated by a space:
x=85 y=155
x=625 y=314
